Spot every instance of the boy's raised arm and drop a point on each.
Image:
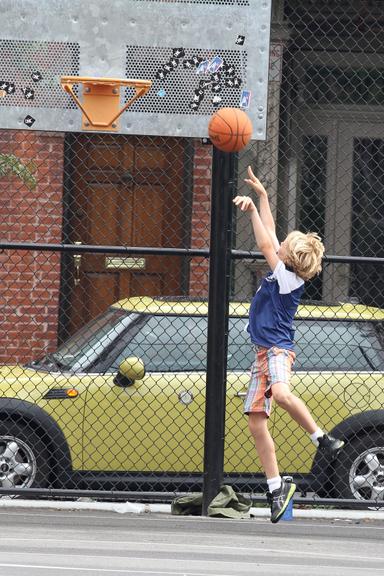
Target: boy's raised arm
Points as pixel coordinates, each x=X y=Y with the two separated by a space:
x=262 y=235
x=265 y=209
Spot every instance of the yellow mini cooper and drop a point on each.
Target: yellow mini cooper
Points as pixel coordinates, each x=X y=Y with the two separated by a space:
x=121 y=404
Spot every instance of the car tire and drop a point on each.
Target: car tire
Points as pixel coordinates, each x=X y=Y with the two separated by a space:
x=24 y=457
x=359 y=468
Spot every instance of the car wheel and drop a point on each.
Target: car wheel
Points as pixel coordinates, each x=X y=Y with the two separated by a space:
x=359 y=469
x=23 y=457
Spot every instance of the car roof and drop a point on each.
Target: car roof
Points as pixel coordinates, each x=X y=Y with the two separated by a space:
x=184 y=307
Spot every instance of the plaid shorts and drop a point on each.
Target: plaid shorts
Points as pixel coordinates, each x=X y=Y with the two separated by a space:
x=271 y=366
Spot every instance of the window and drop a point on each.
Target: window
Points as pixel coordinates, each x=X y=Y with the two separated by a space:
x=367 y=219
x=337 y=345
x=167 y=344
x=179 y=344
x=313 y=198
x=333 y=85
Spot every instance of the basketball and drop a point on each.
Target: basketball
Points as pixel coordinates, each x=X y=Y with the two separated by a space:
x=230 y=129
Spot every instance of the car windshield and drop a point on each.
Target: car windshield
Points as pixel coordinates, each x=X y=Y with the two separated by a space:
x=81 y=351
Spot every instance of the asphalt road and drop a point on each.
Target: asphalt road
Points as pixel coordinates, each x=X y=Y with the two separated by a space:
x=58 y=543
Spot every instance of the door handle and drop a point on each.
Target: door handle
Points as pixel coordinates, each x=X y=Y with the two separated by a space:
x=241 y=394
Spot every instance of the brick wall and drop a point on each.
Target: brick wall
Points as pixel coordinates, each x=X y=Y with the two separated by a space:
x=201 y=209
x=30 y=280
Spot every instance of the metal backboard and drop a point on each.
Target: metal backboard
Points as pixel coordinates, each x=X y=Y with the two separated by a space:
x=200 y=55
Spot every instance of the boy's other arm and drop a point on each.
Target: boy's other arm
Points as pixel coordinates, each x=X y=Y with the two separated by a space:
x=262 y=236
x=265 y=209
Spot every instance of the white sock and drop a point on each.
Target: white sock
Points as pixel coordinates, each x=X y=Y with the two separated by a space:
x=274 y=483
x=316 y=435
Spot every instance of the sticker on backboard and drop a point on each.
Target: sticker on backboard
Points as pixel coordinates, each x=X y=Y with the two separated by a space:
x=240 y=40
x=28 y=92
x=160 y=74
x=188 y=64
x=174 y=62
x=29 y=121
x=210 y=66
x=203 y=67
x=8 y=87
x=167 y=68
x=198 y=95
x=204 y=84
x=194 y=105
x=36 y=76
x=245 y=99
x=230 y=70
x=197 y=61
x=237 y=82
x=178 y=52
x=215 y=64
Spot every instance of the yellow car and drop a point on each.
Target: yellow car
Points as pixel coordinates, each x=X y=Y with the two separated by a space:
x=121 y=404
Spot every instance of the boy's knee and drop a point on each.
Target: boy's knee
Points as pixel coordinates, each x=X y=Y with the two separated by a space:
x=282 y=396
x=257 y=424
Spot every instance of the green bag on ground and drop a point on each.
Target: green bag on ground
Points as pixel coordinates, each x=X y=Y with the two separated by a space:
x=227 y=504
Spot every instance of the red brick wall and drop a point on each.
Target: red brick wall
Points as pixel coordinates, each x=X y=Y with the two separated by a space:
x=201 y=209
x=30 y=280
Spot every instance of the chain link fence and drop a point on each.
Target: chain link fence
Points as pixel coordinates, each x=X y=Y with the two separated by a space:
x=105 y=276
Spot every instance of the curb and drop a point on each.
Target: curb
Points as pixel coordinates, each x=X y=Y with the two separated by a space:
x=134 y=508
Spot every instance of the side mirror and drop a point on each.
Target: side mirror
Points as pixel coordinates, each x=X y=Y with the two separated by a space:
x=130 y=370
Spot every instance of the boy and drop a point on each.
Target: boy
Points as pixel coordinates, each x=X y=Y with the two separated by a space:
x=271 y=316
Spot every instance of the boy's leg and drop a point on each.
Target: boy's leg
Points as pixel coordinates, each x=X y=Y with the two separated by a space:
x=279 y=371
x=265 y=447
x=300 y=413
x=294 y=406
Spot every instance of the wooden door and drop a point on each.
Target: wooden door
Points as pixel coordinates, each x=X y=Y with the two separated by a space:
x=126 y=191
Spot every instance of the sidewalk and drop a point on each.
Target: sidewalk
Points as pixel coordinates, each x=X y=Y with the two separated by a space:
x=138 y=508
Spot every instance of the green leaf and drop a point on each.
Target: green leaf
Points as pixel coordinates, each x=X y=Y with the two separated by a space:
x=9 y=163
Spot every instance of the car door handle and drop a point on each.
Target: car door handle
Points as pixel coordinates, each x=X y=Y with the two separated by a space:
x=241 y=394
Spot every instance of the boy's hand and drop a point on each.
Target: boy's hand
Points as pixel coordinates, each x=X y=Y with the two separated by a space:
x=255 y=183
x=245 y=203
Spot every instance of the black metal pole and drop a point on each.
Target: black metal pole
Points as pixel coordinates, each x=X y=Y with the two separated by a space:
x=223 y=185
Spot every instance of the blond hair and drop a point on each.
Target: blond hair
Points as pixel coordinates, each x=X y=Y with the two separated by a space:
x=304 y=253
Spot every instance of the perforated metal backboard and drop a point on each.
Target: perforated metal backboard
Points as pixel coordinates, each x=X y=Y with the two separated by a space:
x=200 y=55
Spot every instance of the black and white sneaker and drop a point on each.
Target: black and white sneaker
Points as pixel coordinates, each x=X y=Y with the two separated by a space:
x=279 y=499
x=329 y=445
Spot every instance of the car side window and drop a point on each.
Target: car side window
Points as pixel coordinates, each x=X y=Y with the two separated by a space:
x=179 y=344
x=168 y=344
x=240 y=350
x=337 y=345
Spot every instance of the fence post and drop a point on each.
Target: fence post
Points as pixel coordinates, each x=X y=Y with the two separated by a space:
x=223 y=186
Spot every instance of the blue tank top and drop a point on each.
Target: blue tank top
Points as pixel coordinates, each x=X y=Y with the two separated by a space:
x=273 y=309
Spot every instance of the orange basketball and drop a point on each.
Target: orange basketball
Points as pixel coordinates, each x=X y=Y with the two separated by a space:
x=230 y=129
